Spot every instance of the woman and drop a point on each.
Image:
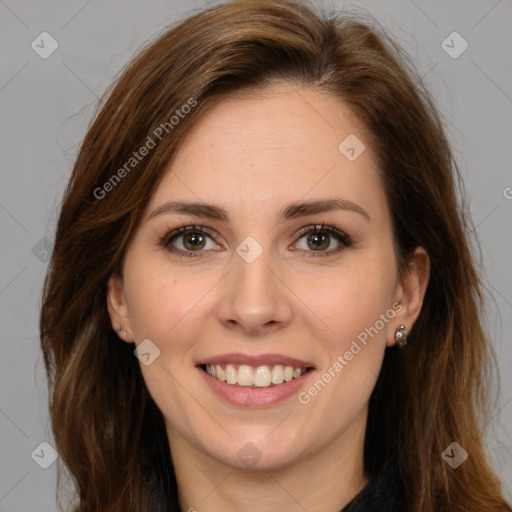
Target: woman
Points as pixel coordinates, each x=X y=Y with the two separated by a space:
x=264 y=213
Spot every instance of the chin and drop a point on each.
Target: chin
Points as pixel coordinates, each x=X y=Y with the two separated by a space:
x=260 y=452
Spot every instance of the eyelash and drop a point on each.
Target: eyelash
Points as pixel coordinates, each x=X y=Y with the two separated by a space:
x=166 y=240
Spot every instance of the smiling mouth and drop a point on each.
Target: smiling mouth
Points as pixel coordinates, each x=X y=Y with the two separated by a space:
x=261 y=376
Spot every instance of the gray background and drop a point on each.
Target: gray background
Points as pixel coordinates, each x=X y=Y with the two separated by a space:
x=46 y=105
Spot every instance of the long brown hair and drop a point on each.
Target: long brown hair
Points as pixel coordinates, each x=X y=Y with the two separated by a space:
x=108 y=431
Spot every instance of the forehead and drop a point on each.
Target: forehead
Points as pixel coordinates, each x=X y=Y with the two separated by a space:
x=278 y=145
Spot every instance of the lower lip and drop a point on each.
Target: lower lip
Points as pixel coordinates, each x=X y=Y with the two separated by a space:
x=255 y=397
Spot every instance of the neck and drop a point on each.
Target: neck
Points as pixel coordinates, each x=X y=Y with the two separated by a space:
x=325 y=480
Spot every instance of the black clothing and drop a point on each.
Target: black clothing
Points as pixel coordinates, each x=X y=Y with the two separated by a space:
x=384 y=493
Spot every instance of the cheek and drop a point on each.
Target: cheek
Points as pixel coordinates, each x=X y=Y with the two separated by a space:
x=357 y=308
x=160 y=297
x=358 y=311
x=164 y=307
x=351 y=301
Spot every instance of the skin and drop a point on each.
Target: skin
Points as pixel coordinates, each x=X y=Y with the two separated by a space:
x=248 y=154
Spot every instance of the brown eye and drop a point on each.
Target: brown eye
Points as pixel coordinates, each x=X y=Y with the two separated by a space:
x=188 y=240
x=319 y=238
x=318 y=241
x=192 y=241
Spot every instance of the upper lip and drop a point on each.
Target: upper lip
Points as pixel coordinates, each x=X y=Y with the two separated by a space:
x=256 y=360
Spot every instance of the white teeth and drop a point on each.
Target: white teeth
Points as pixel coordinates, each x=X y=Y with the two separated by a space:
x=212 y=370
x=245 y=375
x=288 y=373
x=261 y=376
x=277 y=374
x=220 y=372
x=231 y=374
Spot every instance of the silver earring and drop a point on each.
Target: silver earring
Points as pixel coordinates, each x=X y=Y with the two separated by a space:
x=119 y=330
x=401 y=336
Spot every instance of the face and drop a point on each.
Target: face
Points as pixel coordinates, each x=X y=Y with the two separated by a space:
x=294 y=307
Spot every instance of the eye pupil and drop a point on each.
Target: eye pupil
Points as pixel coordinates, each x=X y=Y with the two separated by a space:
x=199 y=239
x=319 y=237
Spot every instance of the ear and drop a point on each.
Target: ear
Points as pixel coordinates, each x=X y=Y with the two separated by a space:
x=410 y=292
x=118 y=309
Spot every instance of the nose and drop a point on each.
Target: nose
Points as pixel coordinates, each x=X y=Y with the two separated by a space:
x=255 y=298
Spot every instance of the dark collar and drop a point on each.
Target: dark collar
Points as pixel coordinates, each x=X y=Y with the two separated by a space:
x=382 y=494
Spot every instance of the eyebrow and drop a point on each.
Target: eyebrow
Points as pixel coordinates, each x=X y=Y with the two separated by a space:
x=288 y=212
